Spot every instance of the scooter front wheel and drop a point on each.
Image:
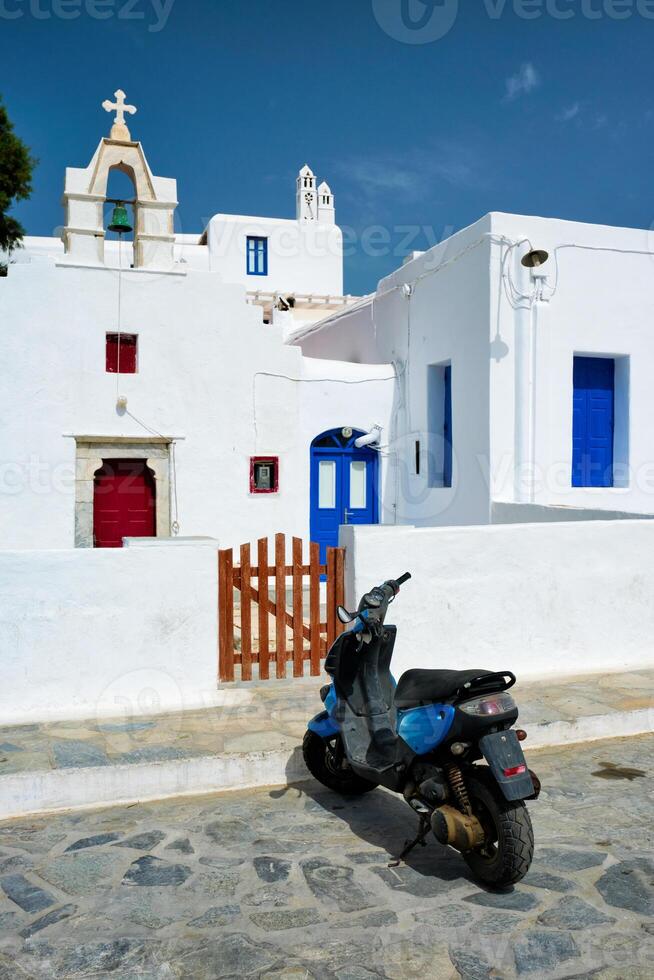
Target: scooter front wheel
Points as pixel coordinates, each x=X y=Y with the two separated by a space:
x=506 y=856
x=326 y=761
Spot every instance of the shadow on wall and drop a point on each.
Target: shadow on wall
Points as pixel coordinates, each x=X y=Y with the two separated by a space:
x=515 y=513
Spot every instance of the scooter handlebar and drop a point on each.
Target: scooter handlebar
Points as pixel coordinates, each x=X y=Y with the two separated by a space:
x=403 y=578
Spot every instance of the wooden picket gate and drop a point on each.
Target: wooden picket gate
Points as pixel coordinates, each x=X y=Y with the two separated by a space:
x=310 y=638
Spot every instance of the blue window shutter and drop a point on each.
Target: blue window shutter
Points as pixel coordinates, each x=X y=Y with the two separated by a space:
x=447 y=428
x=593 y=421
x=257 y=256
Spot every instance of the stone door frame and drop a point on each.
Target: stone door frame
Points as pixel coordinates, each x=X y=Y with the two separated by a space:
x=92 y=451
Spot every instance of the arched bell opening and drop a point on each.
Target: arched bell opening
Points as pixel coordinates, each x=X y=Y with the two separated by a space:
x=119 y=215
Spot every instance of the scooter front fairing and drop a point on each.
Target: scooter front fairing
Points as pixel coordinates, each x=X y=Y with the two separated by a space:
x=379 y=741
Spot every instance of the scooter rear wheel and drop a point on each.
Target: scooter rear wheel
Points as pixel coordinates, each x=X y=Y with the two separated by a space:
x=506 y=857
x=326 y=761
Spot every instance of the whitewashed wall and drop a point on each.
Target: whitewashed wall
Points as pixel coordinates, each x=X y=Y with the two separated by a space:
x=211 y=374
x=302 y=257
x=600 y=303
x=538 y=599
x=107 y=633
x=444 y=318
x=460 y=302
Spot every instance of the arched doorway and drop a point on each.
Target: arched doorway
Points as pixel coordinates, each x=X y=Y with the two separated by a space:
x=123 y=502
x=344 y=486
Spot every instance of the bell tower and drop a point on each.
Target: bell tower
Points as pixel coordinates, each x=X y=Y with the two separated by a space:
x=326 y=207
x=307 y=205
x=85 y=193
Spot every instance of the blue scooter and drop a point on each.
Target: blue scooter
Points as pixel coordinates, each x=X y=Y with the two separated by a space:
x=424 y=738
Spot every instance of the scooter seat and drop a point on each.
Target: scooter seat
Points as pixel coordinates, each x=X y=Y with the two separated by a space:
x=418 y=687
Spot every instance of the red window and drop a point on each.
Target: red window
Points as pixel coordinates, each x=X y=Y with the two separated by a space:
x=125 y=345
x=264 y=474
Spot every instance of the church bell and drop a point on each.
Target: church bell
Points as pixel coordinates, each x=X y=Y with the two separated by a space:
x=119 y=220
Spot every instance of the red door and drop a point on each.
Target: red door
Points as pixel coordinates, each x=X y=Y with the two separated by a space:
x=123 y=502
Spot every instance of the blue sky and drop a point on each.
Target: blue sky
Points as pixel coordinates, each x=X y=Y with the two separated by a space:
x=542 y=115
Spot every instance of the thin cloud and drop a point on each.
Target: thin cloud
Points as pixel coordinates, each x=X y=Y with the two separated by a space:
x=380 y=176
x=570 y=113
x=407 y=177
x=525 y=80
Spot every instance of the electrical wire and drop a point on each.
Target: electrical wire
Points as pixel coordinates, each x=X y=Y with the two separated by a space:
x=175 y=523
x=287 y=377
x=173 y=466
x=591 y=248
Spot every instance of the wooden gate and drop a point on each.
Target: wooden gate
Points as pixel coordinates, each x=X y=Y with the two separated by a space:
x=301 y=634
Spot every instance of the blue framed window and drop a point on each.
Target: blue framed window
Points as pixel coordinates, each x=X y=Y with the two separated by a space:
x=439 y=396
x=447 y=426
x=593 y=421
x=257 y=256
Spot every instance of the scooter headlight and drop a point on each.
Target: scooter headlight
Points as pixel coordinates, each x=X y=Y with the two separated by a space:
x=490 y=704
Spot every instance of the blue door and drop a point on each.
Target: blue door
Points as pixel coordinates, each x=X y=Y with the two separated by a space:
x=593 y=421
x=344 y=486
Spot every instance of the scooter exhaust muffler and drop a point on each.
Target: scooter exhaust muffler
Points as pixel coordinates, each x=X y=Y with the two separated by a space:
x=459 y=830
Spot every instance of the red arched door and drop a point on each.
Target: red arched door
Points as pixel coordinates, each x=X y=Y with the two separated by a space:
x=123 y=502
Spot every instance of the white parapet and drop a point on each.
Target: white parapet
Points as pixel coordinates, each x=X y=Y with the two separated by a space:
x=107 y=632
x=541 y=600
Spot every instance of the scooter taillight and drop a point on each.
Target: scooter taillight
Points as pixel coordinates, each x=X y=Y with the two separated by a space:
x=492 y=704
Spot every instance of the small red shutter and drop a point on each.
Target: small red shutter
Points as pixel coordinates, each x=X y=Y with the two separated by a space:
x=128 y=345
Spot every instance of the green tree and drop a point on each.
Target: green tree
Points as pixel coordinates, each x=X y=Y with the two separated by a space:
x=16 y=166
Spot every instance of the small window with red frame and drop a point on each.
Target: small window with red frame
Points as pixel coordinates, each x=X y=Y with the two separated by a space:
x=264 y=474
x=122 y=352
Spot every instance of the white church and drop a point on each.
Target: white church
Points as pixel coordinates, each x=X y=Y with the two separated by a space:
x=220 y=384
x=151 y=391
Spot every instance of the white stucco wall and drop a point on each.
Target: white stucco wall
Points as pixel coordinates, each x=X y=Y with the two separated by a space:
x=210 y=374
x=116 y=633
x=303 y=257
x=600 y=303
x=537 y=599
x=471 y=304
x=444 y=319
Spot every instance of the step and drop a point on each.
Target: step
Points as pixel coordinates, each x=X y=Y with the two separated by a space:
x=254 y=739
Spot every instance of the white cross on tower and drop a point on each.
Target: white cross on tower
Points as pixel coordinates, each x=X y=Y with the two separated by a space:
x=119 y=130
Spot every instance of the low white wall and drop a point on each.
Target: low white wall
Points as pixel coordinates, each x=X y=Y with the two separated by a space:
x=537 y=599
x=107 y=632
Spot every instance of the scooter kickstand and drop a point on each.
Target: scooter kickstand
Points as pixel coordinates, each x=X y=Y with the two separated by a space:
x=425 y=827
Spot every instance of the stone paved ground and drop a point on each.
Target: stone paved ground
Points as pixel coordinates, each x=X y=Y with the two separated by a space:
x=295 y=883
x=272 y=716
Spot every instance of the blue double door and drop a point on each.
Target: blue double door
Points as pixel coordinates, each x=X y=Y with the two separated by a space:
x=344 y=486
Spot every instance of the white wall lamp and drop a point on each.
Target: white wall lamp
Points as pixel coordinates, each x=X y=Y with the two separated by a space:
x=535 y=260
x=372 y=437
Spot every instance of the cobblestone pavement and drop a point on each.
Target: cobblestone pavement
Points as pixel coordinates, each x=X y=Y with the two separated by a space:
x=272 y=716
x=293 y=883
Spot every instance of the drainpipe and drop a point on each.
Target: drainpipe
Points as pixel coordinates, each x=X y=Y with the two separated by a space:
x=524 y=384
x=531 y=279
